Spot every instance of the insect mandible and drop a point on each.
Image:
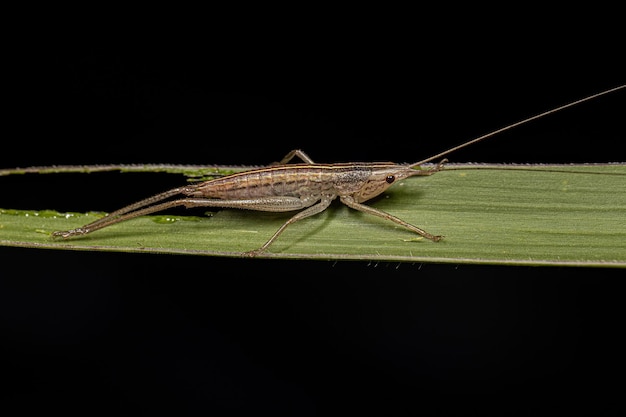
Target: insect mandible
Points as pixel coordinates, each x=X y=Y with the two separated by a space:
x=306 y=187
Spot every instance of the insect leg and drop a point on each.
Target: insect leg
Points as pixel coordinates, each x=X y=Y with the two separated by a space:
x=139 y=204
x=118 y=215
x=350 y=202
x=135 y=210
x=318 y=208
x=296 y=152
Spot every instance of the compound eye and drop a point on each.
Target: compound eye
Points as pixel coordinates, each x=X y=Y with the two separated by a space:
x=390 y=179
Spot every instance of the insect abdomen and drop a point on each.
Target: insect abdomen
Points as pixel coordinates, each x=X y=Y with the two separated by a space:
x=294 y=181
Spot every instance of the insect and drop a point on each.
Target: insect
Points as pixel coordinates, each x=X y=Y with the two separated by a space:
x=307 y=187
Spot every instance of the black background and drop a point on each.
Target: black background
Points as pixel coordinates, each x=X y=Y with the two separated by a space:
x=138 y=334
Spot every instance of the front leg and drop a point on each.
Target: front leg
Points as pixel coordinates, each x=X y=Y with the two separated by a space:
x=350 y=202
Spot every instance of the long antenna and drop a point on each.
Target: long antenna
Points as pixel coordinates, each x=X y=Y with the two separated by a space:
x=511 y=126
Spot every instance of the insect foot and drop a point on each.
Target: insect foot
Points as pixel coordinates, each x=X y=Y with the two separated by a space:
x=252 y=253
x=69 y=233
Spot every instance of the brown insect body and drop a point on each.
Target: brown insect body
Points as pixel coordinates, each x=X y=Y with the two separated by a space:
x=309 y=182
x=308 y=187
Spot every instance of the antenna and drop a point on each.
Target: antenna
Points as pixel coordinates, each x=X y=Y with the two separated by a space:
x=511 y=126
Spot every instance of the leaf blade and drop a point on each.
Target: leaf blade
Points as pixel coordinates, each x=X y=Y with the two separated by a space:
x=506 y=217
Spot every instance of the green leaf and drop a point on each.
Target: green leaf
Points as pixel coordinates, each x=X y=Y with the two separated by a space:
x=526 y=215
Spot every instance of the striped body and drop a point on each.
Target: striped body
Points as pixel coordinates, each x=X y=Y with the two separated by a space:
x=308 y=188
x=305 y=181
